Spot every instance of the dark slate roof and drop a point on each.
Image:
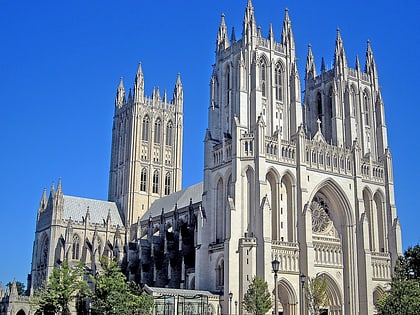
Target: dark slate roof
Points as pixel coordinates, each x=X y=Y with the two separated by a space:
x=75 y=208
x=181 y=198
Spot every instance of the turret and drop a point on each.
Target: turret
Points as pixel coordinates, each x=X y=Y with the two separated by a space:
x=222 y=38
x=249 y=25
x=287 y=37
x=357 y=67
x=120 y=97
x=310 y=72
x=271 y=33
x=139 y=86
x=370 y=66
x=178 y=96
x=340 y=60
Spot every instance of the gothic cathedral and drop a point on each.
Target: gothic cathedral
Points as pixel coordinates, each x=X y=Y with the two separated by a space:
x=304 y=181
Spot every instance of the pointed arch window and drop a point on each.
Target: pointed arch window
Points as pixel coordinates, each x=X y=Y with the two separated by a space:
x=168 y=183
x=220 y=274
x=263 y=78
x=143 y=179
x=76 y=247
x=155 y=188
x=278 y=81
x=158 y=126
x=353 y=102
x=169 y=128
x=319 y=105
x=228 y=86
x=366 y=107
x=145 y=129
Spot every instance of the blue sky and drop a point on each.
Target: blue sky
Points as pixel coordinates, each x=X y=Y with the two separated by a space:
x=60 y=63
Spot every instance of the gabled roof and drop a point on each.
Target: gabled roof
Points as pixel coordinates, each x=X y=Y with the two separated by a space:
x=76 y=207
x=181 y=198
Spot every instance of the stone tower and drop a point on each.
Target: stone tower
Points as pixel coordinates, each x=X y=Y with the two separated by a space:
x=309 y=184
x=146 y=153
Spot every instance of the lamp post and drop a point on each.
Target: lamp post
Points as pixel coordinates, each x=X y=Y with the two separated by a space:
x=236 y=307
x=302 y=281
x=275 y=264
x=230 y=302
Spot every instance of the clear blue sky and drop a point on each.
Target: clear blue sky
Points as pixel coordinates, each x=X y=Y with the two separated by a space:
x=60 y=63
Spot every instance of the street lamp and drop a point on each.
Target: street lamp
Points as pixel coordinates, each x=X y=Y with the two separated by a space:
x=302 y=281
x=275 y=264
x=230 y=302
x=236 y=307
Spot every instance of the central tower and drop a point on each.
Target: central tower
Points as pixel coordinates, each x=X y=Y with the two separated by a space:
x=146 y=153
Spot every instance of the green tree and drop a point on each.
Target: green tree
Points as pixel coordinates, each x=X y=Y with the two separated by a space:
x=20 y=286
x=316 y=294
x=114 y=295
x=65 y=284
x=257 y=299
x=403 y=298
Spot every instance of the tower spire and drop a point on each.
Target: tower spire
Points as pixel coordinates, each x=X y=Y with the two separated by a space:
x=340 y=60
x=249 y=25
x=370 y=65
x=139 y=85
x=287 y=37
x=271 y=33
x=222 y=37
x=120 y=97
x=178 y=95
x=310 y=65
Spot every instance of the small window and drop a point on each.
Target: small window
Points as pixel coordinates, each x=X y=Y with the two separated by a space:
x=168 y=183
x=145 y=129
x=143 y=178
x=169 y=128
x=263 y=78
x=278 y=81
x=158 y=125
x=155 y=189
x=76 y=247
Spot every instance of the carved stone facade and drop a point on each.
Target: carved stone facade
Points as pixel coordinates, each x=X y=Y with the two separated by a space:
x=308 y=183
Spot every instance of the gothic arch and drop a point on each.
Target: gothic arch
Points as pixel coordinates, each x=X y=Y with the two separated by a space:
x=75 y=248
x=43 y=250
x=158 y=130
x=273 y=194
x=145 y=128
x=334 y=295
x=377 y=294
x=288 y=206
x=263 y=68
x=220 y=210
x=220 y=272
x=342 y=216
x=287 y=296
x=378 y=204
x=248 y=177
x=21 y=312
x=333 y=191
x=279 y=80
x=371 y=216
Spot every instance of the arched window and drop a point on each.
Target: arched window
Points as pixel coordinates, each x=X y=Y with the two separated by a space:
x=143 y=179
x=169 y=128
x=278 y=80
x=76 y=247
x=155 y=189
x=43 y=257
x=319 y=106
x=353 y=102
x=168 y=183
x=145 y=129
x=220 y=274
x=158 y=125
x=366 y=107
x=263 y=78
x=228 y=87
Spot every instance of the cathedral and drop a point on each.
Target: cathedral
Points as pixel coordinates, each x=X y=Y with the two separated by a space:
x=303 y=178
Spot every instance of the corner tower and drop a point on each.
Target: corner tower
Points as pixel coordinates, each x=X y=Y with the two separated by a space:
x=146 y=152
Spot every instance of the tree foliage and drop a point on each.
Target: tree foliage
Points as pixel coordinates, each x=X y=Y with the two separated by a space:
x=65 y=284
x=316 y=294
x=257 y=299
x=404 y=294
x=114 y=295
